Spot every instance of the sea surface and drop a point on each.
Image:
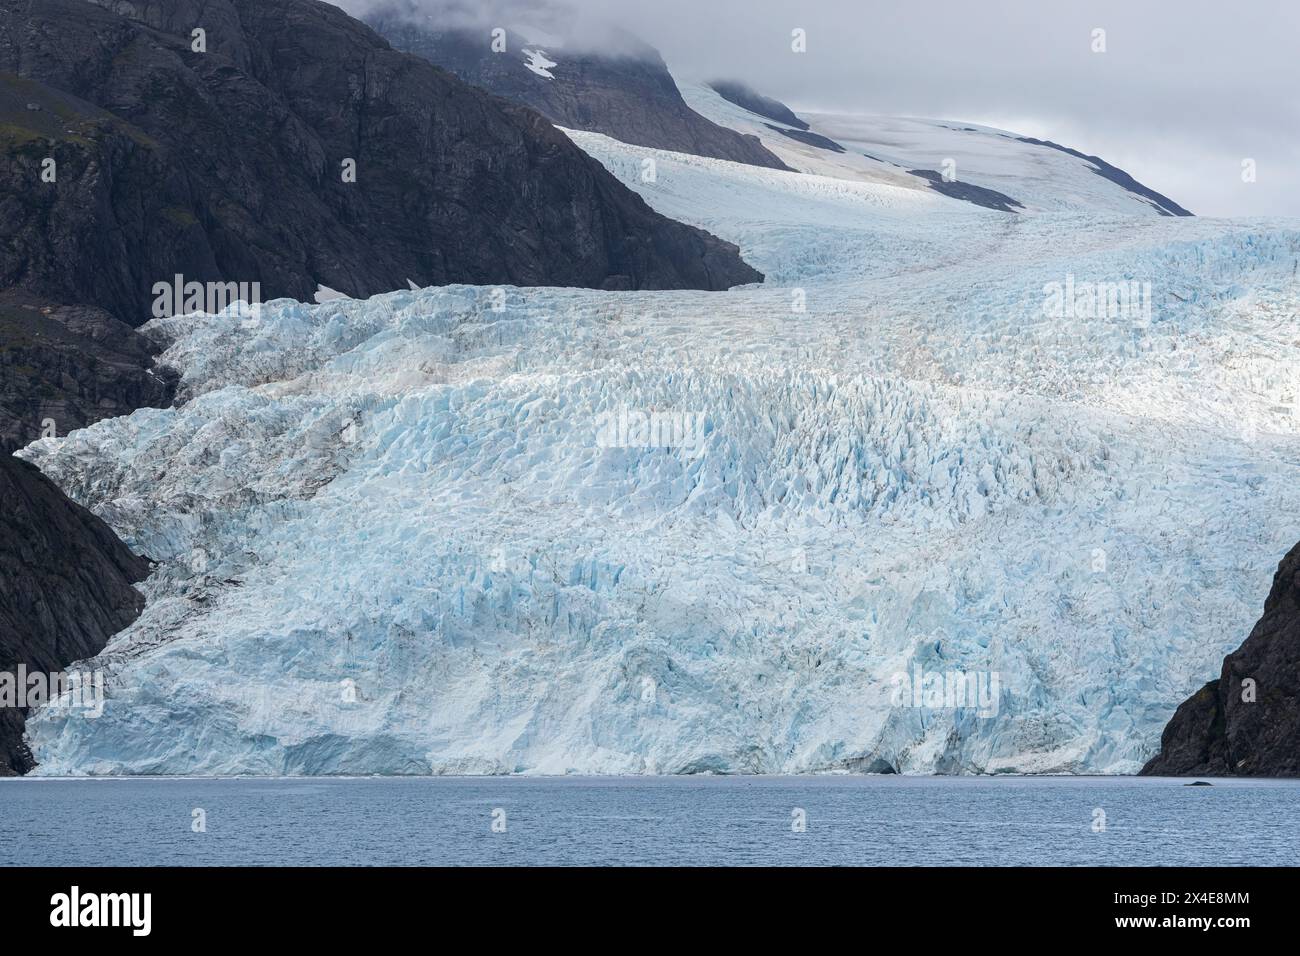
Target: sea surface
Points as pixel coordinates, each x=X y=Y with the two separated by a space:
x=842 y=820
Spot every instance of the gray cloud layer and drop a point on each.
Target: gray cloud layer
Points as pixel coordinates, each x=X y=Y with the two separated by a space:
x=1184 y=92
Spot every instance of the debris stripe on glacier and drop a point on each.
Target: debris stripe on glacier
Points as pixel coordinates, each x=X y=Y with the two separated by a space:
x=919 y=488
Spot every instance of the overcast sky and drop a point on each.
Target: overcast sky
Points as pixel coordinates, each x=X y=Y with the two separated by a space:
x=1185 y=90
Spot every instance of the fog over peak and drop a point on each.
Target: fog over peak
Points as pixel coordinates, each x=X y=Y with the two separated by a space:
x=1182 y=94
x=555 y=23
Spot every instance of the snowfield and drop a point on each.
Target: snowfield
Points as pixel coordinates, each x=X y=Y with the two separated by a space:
x=883 y=149
x=473 y=530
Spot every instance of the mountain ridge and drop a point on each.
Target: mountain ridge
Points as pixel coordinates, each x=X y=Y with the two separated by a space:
x=628 y=94
x=231 y=164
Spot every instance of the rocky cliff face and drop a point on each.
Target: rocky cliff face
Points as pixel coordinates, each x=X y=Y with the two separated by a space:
x=226 y=155
x=626 y=93
x=65 y=587
x=1246 y=723
x=64 y=367
x=750 y=99
x=65 y=579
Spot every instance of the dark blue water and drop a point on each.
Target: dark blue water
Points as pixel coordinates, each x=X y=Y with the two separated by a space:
x=691 y=820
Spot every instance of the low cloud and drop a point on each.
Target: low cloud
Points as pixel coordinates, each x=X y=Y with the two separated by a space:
x=1183 y=93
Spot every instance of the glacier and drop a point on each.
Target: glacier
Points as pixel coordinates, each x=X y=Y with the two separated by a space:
x=398 y=536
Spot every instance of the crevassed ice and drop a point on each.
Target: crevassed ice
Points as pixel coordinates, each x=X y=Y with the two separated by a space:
x=489 y=531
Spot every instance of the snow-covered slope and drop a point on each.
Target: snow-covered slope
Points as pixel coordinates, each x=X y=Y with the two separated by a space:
x=884 y=149
x=423 y=533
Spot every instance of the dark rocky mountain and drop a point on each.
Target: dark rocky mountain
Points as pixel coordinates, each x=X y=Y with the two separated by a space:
x=626 y=93
x=66 y=586
x=746 y=98
x=228 y=165
x=809 y=138
x=65 y=579
x=968 y=192
x=1231 y=727
x=64 y=367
